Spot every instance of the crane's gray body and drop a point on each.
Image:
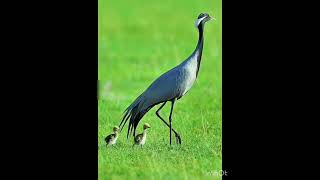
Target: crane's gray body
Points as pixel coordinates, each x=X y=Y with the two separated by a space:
x=170 y=86
x=173 y=84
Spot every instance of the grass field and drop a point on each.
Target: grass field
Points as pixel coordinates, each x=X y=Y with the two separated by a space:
x=138 y=41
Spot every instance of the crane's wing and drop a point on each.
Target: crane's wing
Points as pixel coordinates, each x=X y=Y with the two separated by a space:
x=164 y=88
x=167 y=87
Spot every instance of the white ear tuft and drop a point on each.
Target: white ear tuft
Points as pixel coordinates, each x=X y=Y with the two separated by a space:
x=198 y=21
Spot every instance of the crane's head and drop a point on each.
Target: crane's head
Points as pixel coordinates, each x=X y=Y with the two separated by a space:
x=146 y=126
x=202 y=18
x=116 y=129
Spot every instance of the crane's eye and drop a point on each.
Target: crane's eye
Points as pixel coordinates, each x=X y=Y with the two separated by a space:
x=201 y=15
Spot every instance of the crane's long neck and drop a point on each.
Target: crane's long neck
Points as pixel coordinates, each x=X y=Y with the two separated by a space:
x=198 y=51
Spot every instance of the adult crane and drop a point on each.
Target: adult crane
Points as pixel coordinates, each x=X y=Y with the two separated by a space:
x=170 y=86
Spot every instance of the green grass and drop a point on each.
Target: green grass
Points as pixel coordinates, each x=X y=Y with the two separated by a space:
x=138 y=41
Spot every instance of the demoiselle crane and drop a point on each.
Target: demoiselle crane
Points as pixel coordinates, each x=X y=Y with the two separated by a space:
x=170 y=86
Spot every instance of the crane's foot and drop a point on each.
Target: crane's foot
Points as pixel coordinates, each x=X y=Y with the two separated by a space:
x=178 y=138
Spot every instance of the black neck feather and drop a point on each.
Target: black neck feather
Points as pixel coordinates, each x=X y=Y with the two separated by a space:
x=199 y=47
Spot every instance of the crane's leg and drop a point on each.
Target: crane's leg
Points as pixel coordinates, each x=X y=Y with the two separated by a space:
x=178 y=138
x=170 y=118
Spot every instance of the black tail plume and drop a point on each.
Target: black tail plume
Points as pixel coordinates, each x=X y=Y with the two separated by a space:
x=135 y=113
